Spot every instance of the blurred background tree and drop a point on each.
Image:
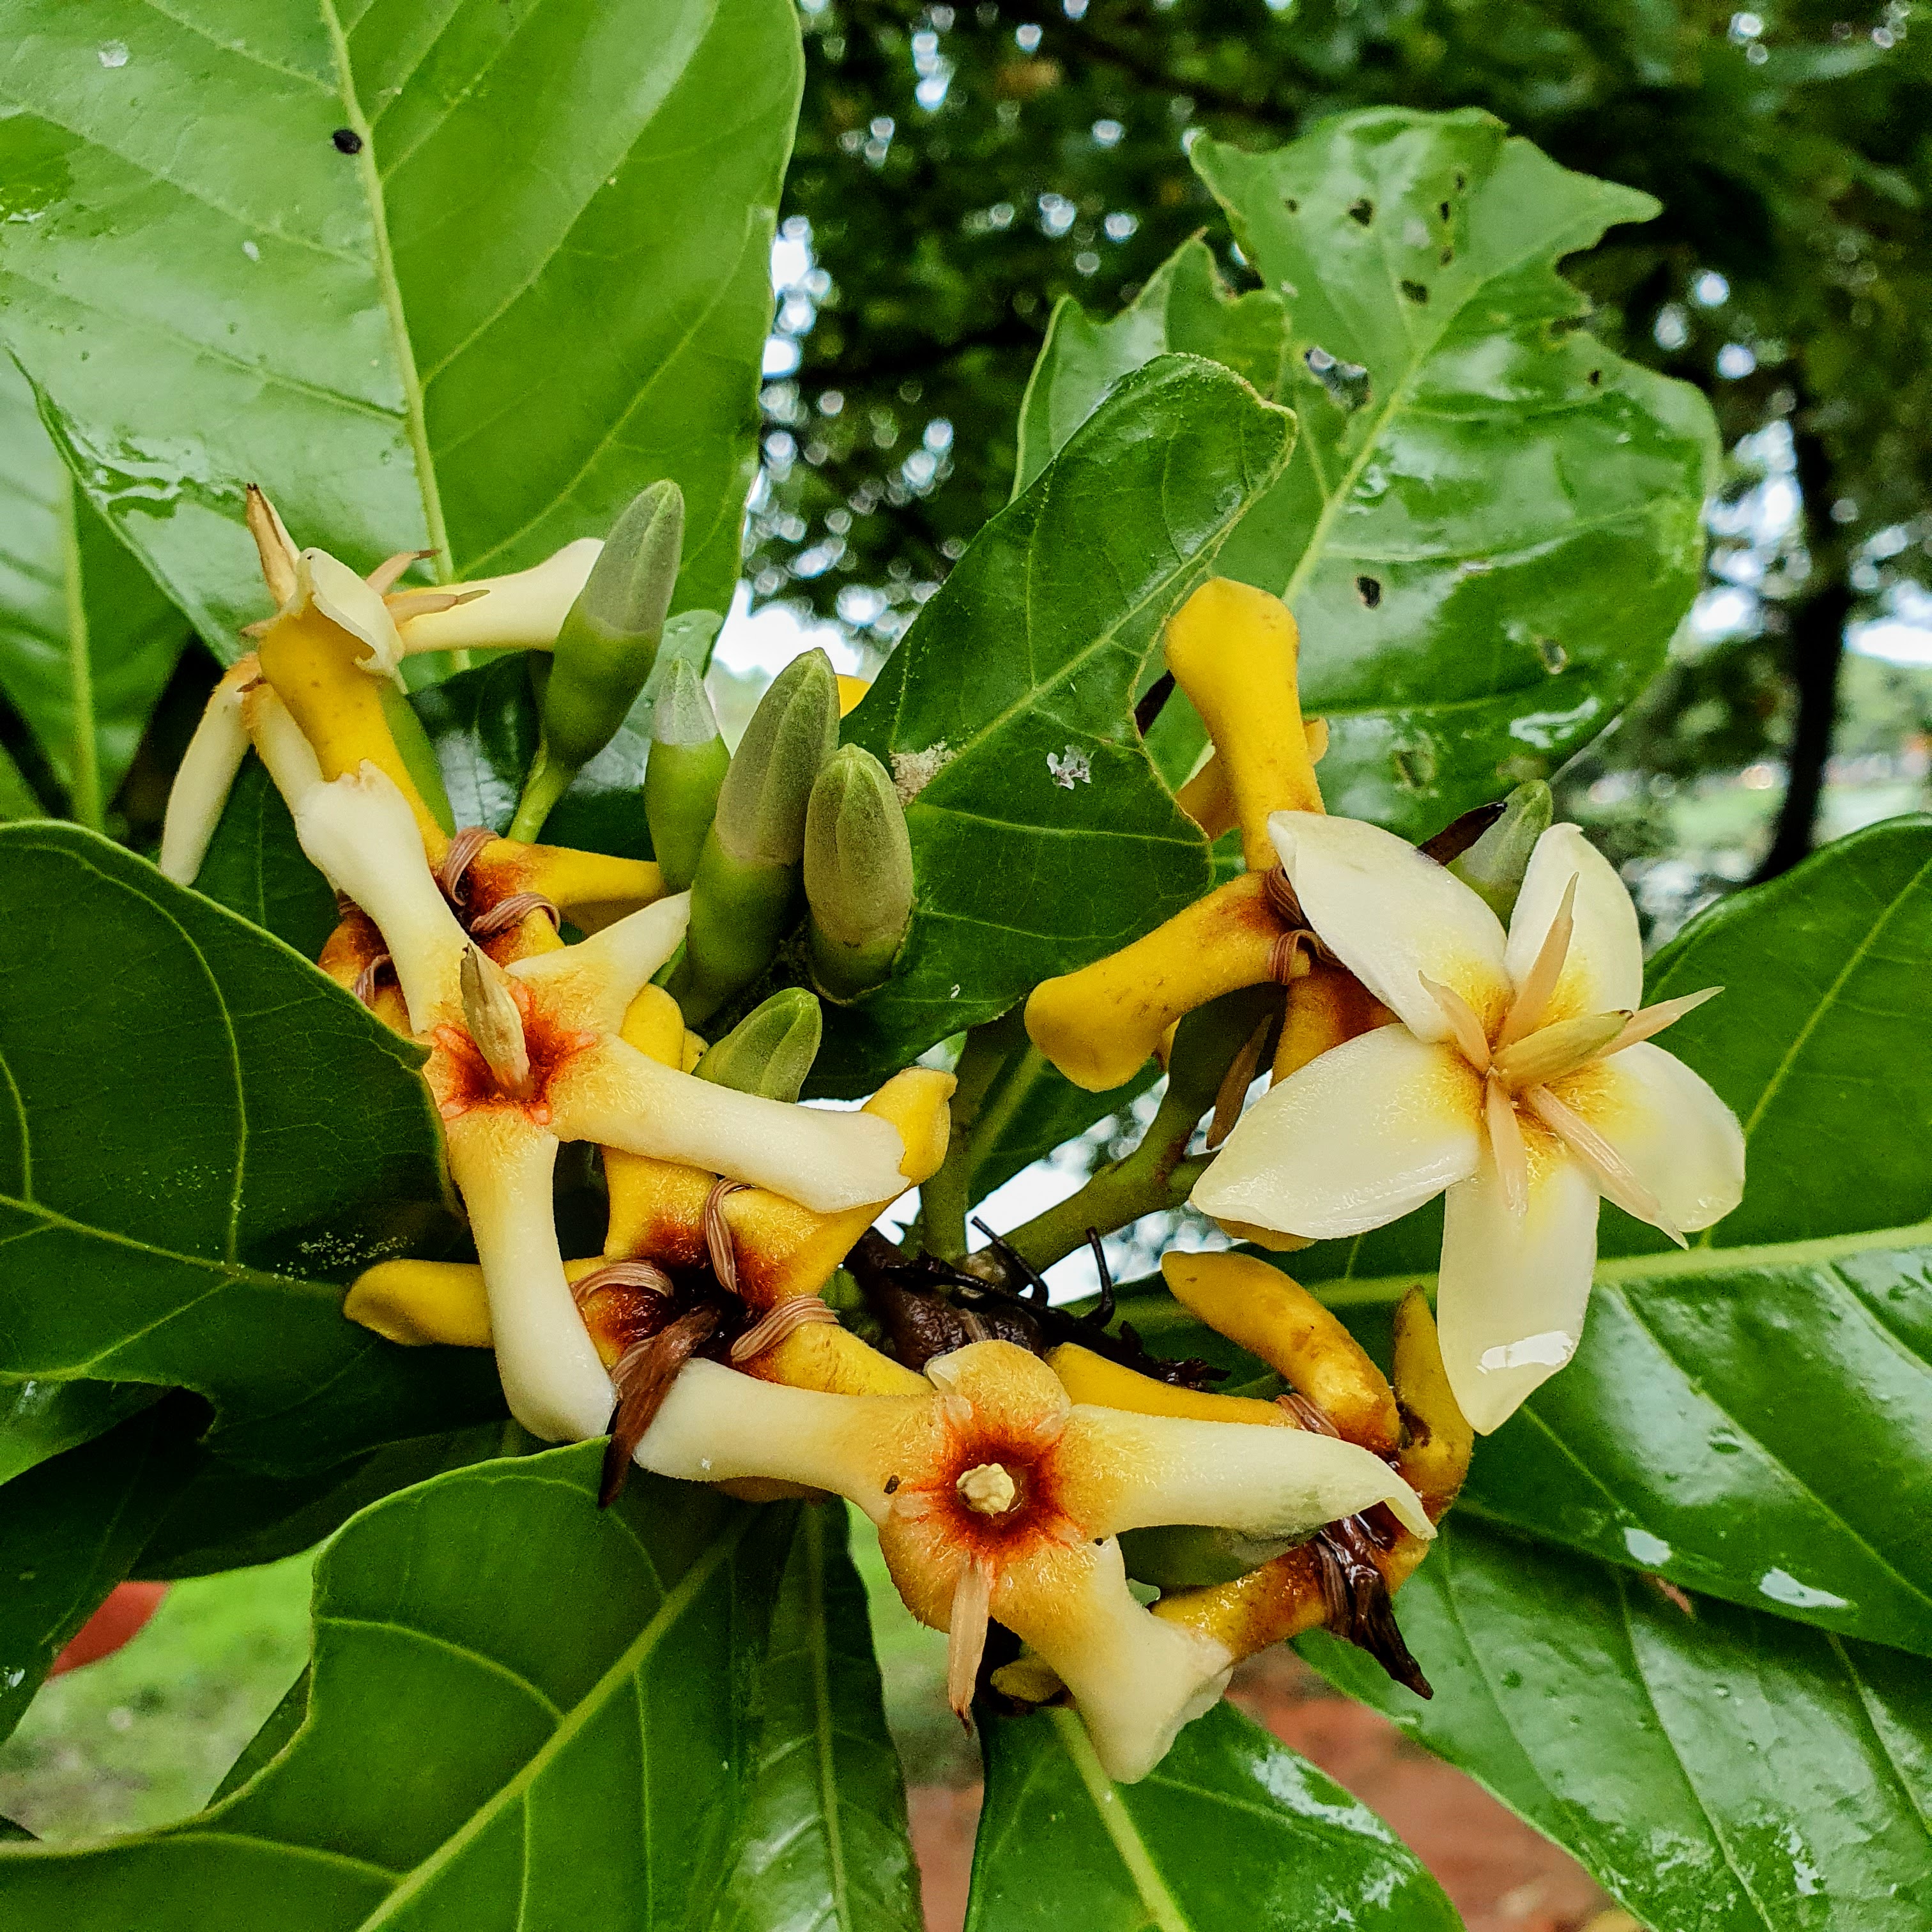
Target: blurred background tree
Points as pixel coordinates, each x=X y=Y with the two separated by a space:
x=960 y=167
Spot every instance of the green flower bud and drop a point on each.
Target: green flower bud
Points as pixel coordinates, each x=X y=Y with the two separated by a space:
x=745 y=895
x=605 y=650
x=687 y=766
x=858 y=874
x=770 y=1051
x=761 y=807
x=1494 y=866
x=1182 y=1556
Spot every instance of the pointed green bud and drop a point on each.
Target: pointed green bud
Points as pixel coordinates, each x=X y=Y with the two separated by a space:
x=687 y=766
x=770 y=1051
x=604 y=652
x=858 y=873
x=1494 y=866
x=761 y=808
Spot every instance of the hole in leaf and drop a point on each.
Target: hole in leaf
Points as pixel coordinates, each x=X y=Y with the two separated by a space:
x=1554 y=656
x=1369 y=590
x=1363 y=211
x=1417 y=291
x=1595 y=378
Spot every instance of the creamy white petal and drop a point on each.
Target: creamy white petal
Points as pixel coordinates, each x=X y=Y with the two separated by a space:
x=607 y=971
x=1604 y=971
x=279 y=742
x=1135 y=1679
x=553 y=1380
x=1266 y=1482
x=524 y=609
x=202 y=782
x=718 y=1426
x=1683 y=1143
x=350 y=603
x=360 y=831
x=1510 y=1308
x=1393 y=917
x=1362 y=1134
x=825 y=1161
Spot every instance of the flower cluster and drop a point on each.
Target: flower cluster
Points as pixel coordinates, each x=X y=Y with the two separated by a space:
x=1418 y=1049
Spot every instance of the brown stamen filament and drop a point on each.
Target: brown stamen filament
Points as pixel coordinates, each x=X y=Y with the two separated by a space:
x=717 y=1234
x=794 y=1313
x=642 y=1379
x=639 y=1274
x=509 y=912
x=365 y=988
x=457 y=860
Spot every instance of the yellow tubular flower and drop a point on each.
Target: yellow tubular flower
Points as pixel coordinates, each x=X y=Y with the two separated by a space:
x=1277 y=1319
x=417 y=1303
x=1098 y=1025
x=1233 y=649
x=1088 y=1377
x=1283 y=1598
x=996 y=1497
x=850 y=691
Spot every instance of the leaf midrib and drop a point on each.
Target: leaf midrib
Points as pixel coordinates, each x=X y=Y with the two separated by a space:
x=415 y=421
x=622 y=1673
x=1163 y=1909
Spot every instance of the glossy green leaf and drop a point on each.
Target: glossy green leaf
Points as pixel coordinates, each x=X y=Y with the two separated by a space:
x=467 y=279
x=1717 y=1769
x=568 y=1735
x=40 y=1419
x=1184 y=306
x=823 y=1842
x=1490 y=531
x=86 y=641
x=255 y=865
x=1041 y=836
x=1033 y=1110
x=72 y=1527
x=201 y=1138
x=1230 y=1830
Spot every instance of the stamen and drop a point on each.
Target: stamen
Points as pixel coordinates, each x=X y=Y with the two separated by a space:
x=1462 y=1022
x=389 y=573
x=1288 y=959
x=1506 y=1146
x=717 y=1234
x=1281 y=897
x=1649 y=1020
x=642 y=1379
x=273 y=544
x=988 y=1490
x=1612 y=1173
x=408 y=603
x=1235 y=1083
x=1540 y=981
x=495 y=1023
x=1308 y=1413
x=1554 y=1051
x=966 y=1633
x=365 y=988
x=640 y=1274
x=457 y=860
x=794 y=1313
x=509 y=912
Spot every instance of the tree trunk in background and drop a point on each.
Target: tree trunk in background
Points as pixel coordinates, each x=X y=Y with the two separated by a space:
x=1817 y=649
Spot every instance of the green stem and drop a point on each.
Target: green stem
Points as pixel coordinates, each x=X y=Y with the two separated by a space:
x=84 y=787
x=945 y=1197
x=547 y=782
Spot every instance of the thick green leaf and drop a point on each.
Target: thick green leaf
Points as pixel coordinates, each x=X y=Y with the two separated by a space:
x=202 y=1138
x=1184 y=306
x=824 y=1840
x=1489 y=533
x=1719 y=1769
x=466 y=279
x=86 y=641
x=1041 y=836
x=228 y=1518
x=40 y=1419
x=17 y=798
x=255 y=865
x=72 y=1528
x=1231 y=1830
x=278 y=1729
x=575 y=1734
